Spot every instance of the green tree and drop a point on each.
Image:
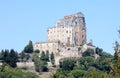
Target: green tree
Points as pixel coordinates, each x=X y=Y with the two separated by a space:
x=37 y=63
x=86 y=62
x=67 y=63
x=102 y=54
x=103 y=64
x=8 y=72
x=27 y=57
x=52 y=58
x=1 y=54
x=54 y=75
x=22 y=56
x=116 y=66
x=88 y=52
x=47 y=56
x=6 y=56
x=40 y=65
x=10 y=58
x=37 y=51
x=43 y=57
x=29 y=48
x=13 y=58
x=77 y=73
x=98 y=51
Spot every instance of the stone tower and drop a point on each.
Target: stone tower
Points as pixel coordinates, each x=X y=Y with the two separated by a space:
x=70 y=31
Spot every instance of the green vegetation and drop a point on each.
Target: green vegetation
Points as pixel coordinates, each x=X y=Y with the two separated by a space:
x=40 y=62
x=24 y=56
x=88 y=52
x=8 y=72
x=67 y=63
x=37 y=51
x=47 y=56
x=88 y=66
x=43 y=56
x=116 y=66
x=9 y=57
x=29 y=47
x=52 y=58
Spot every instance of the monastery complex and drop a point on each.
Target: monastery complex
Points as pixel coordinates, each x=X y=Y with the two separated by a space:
x=67 y=38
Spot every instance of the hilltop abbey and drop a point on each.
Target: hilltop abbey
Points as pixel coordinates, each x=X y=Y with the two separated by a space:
x=65 y=38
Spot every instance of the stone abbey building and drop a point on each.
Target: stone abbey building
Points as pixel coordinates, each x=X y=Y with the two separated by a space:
x=70 y=31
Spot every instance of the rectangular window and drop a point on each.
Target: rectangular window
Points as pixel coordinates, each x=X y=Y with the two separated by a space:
x=66 y=31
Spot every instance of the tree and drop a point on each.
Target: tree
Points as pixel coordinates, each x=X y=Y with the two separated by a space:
x=116 y=49
x=8 y=72
x=6 y=56
x=116 y=66
x=103 y=64
x=10 y=58
x=52 y=58
x=47 y=56
x=1 y=54
x=77 y=73
x=40 y=65
x=29 y=48
x=22 y=56
x=54 y=75
x=27 y=56
x=13 y=58
x=37 y=64
x=67 y=63
x=37 y=51
x=43 y=66
x=98 y=51
x=43 y=56
x=88 y=52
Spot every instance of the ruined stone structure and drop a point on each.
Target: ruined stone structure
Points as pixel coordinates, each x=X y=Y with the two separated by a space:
x=70 y=31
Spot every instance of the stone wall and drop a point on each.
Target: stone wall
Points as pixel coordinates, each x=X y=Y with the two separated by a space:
x=60 y=33
x=23 y=64
x=64 y=38
x=44 y=46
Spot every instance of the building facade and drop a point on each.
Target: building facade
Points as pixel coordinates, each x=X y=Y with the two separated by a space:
x=67 y=32
x=44 y=46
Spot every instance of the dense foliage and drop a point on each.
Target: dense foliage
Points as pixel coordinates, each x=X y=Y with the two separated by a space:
x=29 y=48
x=41 y=62
x=88 y=52
x=52 y=58
x=8 y=72
x=87 y=66
x=9 y=57
x=67 y=63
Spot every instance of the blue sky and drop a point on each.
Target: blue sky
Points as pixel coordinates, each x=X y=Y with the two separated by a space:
x=24 y=20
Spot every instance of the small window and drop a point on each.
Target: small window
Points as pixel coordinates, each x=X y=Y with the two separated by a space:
x=82 y=36
x=68 y=49
x=66 y=31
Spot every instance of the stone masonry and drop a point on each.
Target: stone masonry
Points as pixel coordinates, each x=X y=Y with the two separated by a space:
x=65 y=37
